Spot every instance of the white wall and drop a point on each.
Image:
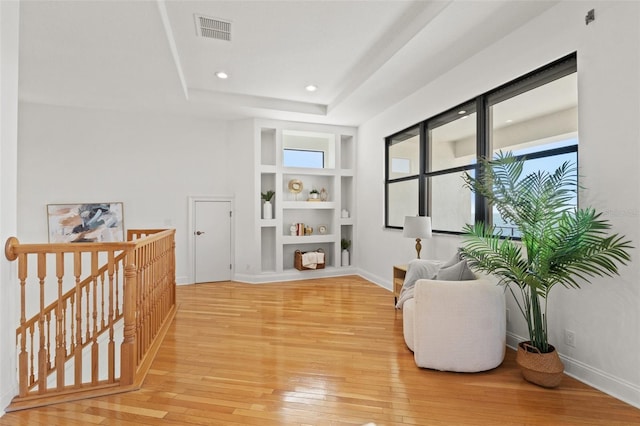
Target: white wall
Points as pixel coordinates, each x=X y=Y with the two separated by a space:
x=150 y=162
x=9 y=19
x=603 y=315
x=243 y=158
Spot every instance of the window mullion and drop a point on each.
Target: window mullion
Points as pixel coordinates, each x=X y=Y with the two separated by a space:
x=483 y=150
x=423 y=208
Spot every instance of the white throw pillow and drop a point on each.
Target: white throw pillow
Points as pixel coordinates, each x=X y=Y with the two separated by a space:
x=458 y=272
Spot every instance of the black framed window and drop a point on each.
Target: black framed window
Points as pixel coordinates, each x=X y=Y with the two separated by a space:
x=534 y=116
x=403 y=170
x=451 y=139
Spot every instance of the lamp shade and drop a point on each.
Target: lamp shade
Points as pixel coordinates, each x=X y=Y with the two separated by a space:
x=417 y=227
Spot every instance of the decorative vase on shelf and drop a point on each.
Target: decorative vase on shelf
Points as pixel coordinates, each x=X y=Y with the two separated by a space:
x=267 y=210
x=345 y=257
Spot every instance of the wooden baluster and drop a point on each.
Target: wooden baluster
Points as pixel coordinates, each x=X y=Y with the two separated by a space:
x=128 y=354
x=118 y=281
x=102 y=285
x=111 y=347
x=65 y=321
x=32 y=370
x=77 y=355
x=48 y=342
x=147 y=297
x=72 y=321
x=168 y=272
x=155 y=290
x=94 y=346
x=152 y=293
x=144 y=299
x=140 y=302
x=23 y=359
x=172 y=272
x=169 y=281
x=88 y=313
x=61 y=341
x=42 y=350
x=159 y=284
x=141 y=299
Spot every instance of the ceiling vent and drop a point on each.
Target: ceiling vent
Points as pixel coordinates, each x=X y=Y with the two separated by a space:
x=213 y=28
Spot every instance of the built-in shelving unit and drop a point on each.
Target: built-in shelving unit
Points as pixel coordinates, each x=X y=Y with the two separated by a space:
x=277 y=244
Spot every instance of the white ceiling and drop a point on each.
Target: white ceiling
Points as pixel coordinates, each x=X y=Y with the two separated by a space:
x=364 y=56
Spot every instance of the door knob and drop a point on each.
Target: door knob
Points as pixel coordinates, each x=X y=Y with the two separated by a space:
x=199 y=232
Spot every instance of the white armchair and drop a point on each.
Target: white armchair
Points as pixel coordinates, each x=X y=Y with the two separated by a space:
x=456 y=325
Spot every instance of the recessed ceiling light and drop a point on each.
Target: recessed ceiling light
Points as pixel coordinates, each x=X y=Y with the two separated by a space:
x=461 y=112
x=311 y=88
x=509 y=121
x=222 y=75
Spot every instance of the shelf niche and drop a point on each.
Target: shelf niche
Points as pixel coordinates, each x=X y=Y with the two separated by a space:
x=346 y=152
x=336 y=176
x=268 y=147
x=288 y=253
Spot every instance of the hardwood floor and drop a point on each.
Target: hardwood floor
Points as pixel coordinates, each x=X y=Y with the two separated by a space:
x=317 y=352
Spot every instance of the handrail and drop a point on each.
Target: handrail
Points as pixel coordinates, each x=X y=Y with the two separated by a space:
x=134 y=234
x=134 y=287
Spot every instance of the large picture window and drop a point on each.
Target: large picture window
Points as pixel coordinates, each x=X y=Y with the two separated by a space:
x=534 y=116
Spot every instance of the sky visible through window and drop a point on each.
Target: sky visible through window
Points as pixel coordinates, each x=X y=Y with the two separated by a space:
x=303 y=158
x=549 y=164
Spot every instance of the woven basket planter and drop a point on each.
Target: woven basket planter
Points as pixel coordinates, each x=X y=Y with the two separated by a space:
x=544 y=370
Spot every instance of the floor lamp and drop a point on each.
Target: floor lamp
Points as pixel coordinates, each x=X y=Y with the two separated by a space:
x=417 y=227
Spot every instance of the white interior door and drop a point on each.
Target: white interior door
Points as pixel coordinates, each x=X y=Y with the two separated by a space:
x=212 y=236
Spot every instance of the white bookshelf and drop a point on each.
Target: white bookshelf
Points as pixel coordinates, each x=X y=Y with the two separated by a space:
x=277 y=245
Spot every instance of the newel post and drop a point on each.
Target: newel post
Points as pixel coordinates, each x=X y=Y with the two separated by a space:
x=9 y=245
x=128 y=355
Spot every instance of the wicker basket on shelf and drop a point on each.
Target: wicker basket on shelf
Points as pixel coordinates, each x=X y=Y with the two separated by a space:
x=297 y=260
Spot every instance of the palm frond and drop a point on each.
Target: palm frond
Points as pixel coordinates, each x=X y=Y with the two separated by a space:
x=560 y=244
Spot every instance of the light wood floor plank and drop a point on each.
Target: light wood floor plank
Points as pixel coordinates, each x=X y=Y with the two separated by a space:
x=317 y=352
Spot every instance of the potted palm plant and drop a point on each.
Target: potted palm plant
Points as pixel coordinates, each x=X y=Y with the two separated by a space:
x=560 y=244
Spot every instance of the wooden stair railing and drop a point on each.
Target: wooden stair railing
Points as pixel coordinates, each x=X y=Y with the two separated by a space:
x=67 y=348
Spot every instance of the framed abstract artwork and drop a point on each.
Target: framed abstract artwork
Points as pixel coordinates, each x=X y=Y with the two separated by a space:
x=91 y=222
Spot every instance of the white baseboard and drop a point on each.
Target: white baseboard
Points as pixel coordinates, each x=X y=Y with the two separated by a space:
x=382 y=282
x=184 y=280
x=294 y=275
x=605 y=382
